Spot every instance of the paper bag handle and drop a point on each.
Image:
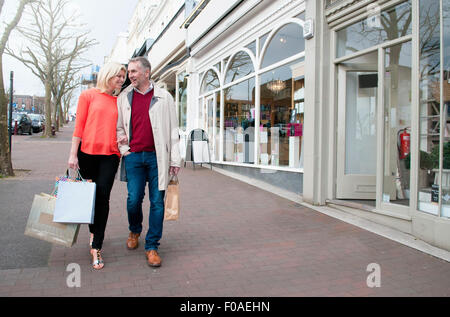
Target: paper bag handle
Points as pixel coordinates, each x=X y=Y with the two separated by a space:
x=172 y=181
x=79 y=177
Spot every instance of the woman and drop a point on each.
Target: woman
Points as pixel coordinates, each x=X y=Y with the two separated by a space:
x=98 y=156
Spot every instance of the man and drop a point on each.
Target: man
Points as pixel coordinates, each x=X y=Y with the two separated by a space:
x=147 y=133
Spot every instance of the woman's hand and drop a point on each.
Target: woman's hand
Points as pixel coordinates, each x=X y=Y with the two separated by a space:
x=73 y=156
x=73 y=162
x=122 y=140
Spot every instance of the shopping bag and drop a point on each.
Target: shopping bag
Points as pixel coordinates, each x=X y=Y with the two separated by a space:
x=172 y=202
x=41 y=226
x=75 y=201
x=67 y=178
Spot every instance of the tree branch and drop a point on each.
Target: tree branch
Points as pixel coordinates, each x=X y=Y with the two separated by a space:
x=12 y=24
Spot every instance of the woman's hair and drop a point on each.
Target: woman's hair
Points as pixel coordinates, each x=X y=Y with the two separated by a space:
x=108 y=71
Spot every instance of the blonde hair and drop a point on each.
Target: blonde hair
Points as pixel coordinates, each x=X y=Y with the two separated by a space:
x=108 y=71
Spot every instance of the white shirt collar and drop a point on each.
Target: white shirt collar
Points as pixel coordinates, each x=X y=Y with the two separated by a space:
x=150 y=88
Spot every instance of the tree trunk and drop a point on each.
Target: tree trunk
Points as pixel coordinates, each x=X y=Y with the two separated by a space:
x=6 y=168
x=55 y=116
x=48 y=109
x=61 y=116
x=5 y=154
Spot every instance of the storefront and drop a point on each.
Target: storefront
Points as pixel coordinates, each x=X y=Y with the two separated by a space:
x=353 y=117
x=250 y=93
x=389 y=84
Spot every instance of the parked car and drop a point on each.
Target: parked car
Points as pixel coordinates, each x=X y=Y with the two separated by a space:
x=23 y=121
x=37 y=122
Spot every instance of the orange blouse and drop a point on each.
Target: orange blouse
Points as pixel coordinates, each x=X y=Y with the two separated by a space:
x=96 y=123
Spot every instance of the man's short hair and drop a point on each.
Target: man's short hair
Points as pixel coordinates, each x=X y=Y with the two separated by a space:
x=143 y=61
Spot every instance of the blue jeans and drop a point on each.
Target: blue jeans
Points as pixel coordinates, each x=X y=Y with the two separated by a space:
x=142 y=167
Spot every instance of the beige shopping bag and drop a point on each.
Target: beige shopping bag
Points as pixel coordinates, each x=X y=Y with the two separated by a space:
x=172 y=203
x=40 y=223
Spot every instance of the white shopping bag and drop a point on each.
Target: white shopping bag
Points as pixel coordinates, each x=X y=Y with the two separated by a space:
x=75 y=202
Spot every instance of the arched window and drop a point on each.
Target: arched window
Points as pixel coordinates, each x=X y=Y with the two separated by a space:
x=210 y=82
x=240 y=66
x=286 y=42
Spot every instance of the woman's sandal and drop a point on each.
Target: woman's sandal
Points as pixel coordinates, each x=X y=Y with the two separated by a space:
x=97 y=261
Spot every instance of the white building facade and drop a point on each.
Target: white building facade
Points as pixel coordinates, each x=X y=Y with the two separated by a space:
x=342 y=102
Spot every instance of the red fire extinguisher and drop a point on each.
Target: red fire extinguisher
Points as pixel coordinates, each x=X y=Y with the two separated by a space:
x=404 y=141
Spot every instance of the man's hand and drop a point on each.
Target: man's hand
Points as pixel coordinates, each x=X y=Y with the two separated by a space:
x=173 y=170
x=122 y=140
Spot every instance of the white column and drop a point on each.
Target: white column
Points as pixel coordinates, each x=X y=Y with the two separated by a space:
x=317 y=108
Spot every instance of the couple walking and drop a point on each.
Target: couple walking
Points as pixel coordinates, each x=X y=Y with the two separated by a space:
x=140 y=125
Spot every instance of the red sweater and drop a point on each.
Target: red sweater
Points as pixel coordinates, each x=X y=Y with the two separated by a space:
x=142 y=133
x=96 y=123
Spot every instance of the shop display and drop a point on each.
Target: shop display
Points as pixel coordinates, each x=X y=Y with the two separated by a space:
x=294 y=151
x=264 y=158
x=275 y=146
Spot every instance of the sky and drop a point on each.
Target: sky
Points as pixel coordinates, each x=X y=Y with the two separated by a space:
x=104 y=18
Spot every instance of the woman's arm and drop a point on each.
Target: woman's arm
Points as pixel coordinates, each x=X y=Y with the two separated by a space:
x=82 y=112
x=73 y=157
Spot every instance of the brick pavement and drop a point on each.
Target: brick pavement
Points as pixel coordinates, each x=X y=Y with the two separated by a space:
x=232 y=239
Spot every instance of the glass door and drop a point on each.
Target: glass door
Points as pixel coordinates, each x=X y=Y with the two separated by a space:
x=210 y=120
x=357 y=135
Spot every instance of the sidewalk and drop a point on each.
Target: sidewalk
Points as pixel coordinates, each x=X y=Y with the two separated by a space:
x=232 y=239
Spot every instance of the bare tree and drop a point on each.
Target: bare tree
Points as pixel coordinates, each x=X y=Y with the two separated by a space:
x=64 y=83
x=68 y=96
x=5 y=155
x=55 y=47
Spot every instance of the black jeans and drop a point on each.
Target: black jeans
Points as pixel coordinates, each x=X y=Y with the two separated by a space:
x=102 y=170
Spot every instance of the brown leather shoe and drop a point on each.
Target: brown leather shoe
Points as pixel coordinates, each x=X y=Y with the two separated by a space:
x=133 y=241
x=153 y=258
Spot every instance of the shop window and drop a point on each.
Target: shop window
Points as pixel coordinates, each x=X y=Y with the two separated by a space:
x=225 y=61
x=218 y=66
x=252 y=47
x=377 y=28
x=200 y=112
x=240 y=66
x=212 y=123
x=397 y=123
x=329 y=3
x=210 y=82
x=262 y=41
x=281 y=115
x=182 y=99
x=446 y=99
x=239 y=122
x=287 y=42
x=301 y=16
x=430 y=156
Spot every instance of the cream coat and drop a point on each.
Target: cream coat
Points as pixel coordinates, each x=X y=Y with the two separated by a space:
x=164 y=122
